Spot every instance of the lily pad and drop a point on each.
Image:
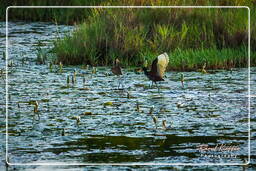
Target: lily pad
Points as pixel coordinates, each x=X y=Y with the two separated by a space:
x=87 y=113
x=108 y=104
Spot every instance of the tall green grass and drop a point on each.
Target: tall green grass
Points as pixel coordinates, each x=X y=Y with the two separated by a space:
x=219 y=36
x=58 y=15
x=190 y=59
x=134 y=35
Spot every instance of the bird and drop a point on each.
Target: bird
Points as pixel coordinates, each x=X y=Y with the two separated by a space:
x=158 y=68
x=117 y=70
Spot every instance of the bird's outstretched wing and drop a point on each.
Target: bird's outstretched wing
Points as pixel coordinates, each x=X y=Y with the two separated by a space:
x=162 y=63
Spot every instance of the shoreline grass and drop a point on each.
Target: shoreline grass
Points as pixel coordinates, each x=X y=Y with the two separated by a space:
x=192 y=60
x=191 y=37
x=55 y=15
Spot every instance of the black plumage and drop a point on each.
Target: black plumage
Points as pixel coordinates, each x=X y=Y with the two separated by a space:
x=116 y=69
x=158 y=68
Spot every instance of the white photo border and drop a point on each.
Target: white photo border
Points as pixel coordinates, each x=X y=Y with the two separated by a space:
x=131 y=163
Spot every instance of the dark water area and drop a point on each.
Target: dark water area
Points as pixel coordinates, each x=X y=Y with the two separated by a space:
x=92 y=121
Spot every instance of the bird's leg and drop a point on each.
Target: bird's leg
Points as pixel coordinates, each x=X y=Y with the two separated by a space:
x=157 y=87
x=152 y=84
x=122 y=81
x=118 y=82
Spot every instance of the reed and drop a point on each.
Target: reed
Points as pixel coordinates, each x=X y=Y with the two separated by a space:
x=191 y=37
x=135 y=35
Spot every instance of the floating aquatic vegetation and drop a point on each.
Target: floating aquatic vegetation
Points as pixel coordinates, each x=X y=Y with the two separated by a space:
x=10 y=63
x=41 y=54
x=84 y=88
x=23 y=61
x=45 y=100
x=67 y=80
x=50 y=66
x=36 y=104
x=108 y=104
x=94 y=70
x=83 y=81
x=2 y=74
x=155 y=121
x=63 y=132
x=60 y=67
x=164 y=124
x=102 y=93
x=180 y=105
x=139 y=85
x=182 y=79
x=137 y=106
x=151 y=110
x=77 y=118
x=202 y=70
x=4 y=55
x=128 y=95
x=87 y=113
x=31 y=102
x=36 y=107
x=72 y=79
x=64 y=87
x=74 y=75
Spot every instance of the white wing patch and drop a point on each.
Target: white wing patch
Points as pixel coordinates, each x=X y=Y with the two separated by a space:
x=162 y=63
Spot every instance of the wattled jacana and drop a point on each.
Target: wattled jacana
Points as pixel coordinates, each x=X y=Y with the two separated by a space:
x=116 y=69
x=158 y=68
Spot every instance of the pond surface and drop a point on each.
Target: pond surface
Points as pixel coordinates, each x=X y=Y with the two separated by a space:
x=92 y=121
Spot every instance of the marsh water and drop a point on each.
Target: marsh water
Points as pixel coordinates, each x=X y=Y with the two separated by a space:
x=92 y=121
